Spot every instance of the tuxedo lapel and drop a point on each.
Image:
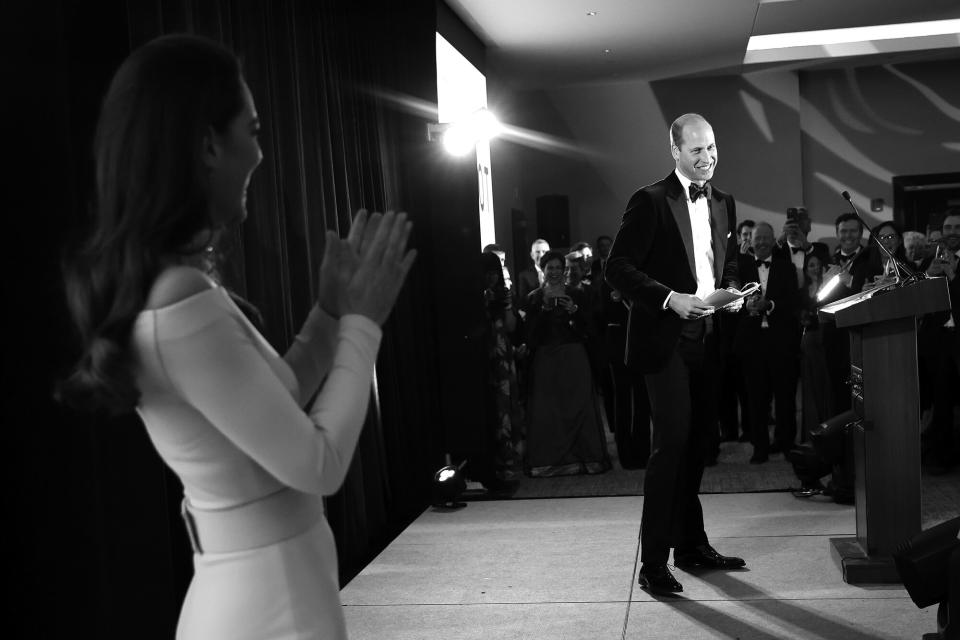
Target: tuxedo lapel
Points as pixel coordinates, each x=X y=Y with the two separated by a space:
x=720 y=230
x=681 y=215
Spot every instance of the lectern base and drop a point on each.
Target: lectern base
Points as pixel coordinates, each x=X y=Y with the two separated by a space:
x=859 y=568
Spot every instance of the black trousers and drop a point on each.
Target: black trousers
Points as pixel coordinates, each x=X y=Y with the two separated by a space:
x=683 y=400
x=734 y=405
x=770 y=371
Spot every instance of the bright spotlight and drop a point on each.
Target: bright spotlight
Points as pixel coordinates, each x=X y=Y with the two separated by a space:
x=461 y=137
x=827 y=287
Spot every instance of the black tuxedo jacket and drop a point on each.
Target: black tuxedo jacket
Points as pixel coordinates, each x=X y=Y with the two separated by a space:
x=653 y=255
x=784 y=320
x=864 y=266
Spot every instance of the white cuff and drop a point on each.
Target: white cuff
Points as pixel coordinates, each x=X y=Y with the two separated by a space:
x=667 y=301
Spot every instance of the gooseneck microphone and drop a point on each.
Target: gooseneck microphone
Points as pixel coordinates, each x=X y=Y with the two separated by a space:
x=899 y=267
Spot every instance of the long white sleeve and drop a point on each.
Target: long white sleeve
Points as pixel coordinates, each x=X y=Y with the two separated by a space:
x=311 y=354
x=217 y=364
x=341 y=407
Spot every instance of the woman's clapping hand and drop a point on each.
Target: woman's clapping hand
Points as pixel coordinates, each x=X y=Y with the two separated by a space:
x=364 y=273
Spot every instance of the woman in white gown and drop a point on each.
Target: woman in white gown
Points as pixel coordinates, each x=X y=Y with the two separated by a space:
x=175 y=148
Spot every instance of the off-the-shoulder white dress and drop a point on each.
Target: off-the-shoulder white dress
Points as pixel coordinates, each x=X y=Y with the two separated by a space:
x=227 y=414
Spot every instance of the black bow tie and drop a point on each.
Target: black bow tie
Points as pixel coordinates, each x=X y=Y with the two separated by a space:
x=796 y=249
x=845 y=259
x=762 y=263
x=697 y=191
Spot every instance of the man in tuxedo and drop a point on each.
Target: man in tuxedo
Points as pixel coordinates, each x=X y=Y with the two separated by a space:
x=851 y=263
x=602 y=246
x=941 y=445
x=624 y=392
x=768 y=344
x=850 y=259
x=674 y=247
x=532 y=277
x=795 y=246
x=744 y=231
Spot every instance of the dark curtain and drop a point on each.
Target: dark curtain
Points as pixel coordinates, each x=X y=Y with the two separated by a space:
x=102 y=550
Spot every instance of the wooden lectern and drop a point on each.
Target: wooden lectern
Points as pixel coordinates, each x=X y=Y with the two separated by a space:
x=886 y=437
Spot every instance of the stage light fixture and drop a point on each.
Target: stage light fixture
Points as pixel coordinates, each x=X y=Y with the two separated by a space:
x=827 y=287
x=461 y=137
x=448 y=484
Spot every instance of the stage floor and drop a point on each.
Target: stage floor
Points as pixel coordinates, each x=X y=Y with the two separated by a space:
x=565 y=569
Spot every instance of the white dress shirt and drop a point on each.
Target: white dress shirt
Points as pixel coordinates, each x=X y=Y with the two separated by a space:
x=702 y=239
x=763 y=270
x=797 y=258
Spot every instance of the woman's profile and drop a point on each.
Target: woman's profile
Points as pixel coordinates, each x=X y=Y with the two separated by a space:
x=175 y=148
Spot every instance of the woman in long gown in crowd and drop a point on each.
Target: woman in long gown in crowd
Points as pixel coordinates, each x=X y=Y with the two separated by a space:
x=815 y=389
x=505 y=415
x=565 y=431
x=175 y=148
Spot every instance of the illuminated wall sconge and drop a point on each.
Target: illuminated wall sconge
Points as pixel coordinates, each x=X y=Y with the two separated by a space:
x=461 y=137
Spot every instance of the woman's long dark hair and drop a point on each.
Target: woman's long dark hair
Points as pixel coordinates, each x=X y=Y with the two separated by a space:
x=151 y=201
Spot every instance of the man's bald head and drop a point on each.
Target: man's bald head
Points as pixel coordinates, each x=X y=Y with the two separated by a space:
x=676 y=129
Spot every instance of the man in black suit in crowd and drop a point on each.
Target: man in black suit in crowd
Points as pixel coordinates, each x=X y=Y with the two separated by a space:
x=532 y=277
x=768 y=344
x=795 y=245
x=674 y=247
x=852 y=264
x=941 y=446
x=602 y=247
x=625 y=395
x=850 y=259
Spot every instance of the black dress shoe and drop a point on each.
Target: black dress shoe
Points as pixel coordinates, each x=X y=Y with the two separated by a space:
x=705 y=557
x=658 y=579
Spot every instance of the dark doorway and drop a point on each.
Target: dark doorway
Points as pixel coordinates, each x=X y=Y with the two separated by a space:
x=919 y=201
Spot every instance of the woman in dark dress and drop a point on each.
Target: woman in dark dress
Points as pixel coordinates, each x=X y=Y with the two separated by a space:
x=504 y=412
x=565 y=432
x=816 y=396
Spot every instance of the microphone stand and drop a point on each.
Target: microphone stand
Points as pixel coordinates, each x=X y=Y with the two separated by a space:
x=898 y=267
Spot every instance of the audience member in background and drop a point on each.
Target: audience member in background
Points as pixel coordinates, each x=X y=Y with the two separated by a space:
x=500 y=253
x=602 y=247
x=891 y=237
x=575 y=277
x=849 y=260
x=815 y=392
x=919 y=257
x=584 y=251
x=940 y=442
x=744 y=233
x=504 y=415
x=532 y=277
x=733 y=405
x=768 y=343
x=915 y=248
x=852 y=266
x=795 y=246
x=625 y=400
x=565 y=431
